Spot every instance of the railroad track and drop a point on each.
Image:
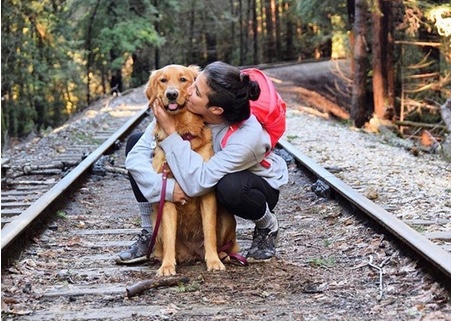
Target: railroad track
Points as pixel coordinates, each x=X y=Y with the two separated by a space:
x=69 y=285
x=33 y=201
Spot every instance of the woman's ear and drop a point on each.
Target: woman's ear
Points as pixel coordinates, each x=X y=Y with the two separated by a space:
x=216 y=110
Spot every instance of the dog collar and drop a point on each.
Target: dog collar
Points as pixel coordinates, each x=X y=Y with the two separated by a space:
x=188 y=136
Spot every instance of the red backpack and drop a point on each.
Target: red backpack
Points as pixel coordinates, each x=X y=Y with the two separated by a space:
x=269 y=110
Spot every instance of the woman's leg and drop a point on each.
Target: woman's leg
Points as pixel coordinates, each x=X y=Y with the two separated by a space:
x=137 y=252
x=131 y=142
x=246 y=195
x=251 y=197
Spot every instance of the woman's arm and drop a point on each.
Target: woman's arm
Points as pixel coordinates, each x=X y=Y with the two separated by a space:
x=139 y=164
x=244 y=151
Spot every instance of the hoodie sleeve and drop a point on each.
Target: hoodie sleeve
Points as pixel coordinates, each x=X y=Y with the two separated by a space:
x=196 y=176
x=139 y=165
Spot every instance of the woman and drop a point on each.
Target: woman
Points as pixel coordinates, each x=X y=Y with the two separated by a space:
x=221 y=96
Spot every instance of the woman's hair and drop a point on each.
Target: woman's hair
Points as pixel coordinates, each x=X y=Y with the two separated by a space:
x=231 y=90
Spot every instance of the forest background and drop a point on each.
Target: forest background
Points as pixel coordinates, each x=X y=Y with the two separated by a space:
x=58 y=56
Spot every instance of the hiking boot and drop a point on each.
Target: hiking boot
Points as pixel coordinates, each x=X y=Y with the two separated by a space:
x=263 y=244
x=137 y=252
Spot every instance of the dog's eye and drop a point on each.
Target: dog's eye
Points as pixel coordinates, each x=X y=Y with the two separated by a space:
x=183 y=79
x=163 y=80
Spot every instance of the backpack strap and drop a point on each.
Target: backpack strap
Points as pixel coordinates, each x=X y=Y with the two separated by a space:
x=234 y=127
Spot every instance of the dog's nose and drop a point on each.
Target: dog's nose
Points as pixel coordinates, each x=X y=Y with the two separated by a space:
x=172 y=94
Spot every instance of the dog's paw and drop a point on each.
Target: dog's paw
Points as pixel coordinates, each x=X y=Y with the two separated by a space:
x=166 y=270
x=215 y=265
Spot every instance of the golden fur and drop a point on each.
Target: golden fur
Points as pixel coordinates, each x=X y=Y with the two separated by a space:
x=192 y=231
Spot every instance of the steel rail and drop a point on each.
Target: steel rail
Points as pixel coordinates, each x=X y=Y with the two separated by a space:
x=15 y=228
x=434 y=254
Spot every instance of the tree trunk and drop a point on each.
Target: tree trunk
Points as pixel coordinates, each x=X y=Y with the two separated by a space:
x=351 y=21
x=194 y=49
x=255 y=30
x=388 y=50
x=240 y=8
x=278 y=8
x=271 y=50
x=247 y=31
x=289 y=43
x=88 y=47
x=157 y=29
x=378 y=80
x=358 y=106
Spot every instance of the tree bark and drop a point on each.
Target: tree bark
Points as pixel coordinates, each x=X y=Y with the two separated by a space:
x=255 y=30
x=388 y=47
x=241 y=22
x=358 y=106
x=90 y=59
x=378 y=80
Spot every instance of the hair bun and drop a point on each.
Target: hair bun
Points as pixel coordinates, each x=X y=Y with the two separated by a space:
x=254 y=91
x=252 y=87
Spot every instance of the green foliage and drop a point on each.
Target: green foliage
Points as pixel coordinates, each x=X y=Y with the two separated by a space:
x=318 y=12
x=125 y=38
x=34 y=52
x=323 y=22
x=57 y=55
x=323 y=261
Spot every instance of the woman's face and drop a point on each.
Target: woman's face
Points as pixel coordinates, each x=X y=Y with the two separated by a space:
x=198 y=100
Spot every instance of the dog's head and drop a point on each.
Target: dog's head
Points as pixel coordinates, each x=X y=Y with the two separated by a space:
x=170 y=84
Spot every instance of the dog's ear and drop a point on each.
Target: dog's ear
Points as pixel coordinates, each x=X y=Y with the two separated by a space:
x=195 y=69
x=151 y=86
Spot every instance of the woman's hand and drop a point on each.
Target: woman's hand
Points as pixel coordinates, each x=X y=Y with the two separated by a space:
x=179 y=195
x=165 y=120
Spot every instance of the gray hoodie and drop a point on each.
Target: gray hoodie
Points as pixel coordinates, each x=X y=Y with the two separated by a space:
x=245 y=149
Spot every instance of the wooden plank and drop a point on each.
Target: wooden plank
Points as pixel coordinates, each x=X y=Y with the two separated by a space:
x=124 y=313
x=16 y=199
x=81 y=290
x=427 y=222
x=15 y=204
x=440 y=235
x=5 y=222
x=12 y=212
x=23 y=188
x=93 y=272
x=20 y=193
x=106 y=231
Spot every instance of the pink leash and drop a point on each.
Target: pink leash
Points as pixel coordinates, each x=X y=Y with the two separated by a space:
x=241 y=259
x=160 y=210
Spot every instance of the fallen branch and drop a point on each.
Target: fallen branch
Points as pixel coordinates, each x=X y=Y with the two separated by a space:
x=314 y=112
x=154 y=283
x=419 y=124
x=322 y=104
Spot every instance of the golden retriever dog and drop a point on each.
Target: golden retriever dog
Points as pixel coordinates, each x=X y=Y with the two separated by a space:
x=195 y=230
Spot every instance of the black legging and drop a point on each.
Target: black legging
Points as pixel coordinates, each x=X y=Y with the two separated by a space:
x=132 y=140
x=243 y=193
